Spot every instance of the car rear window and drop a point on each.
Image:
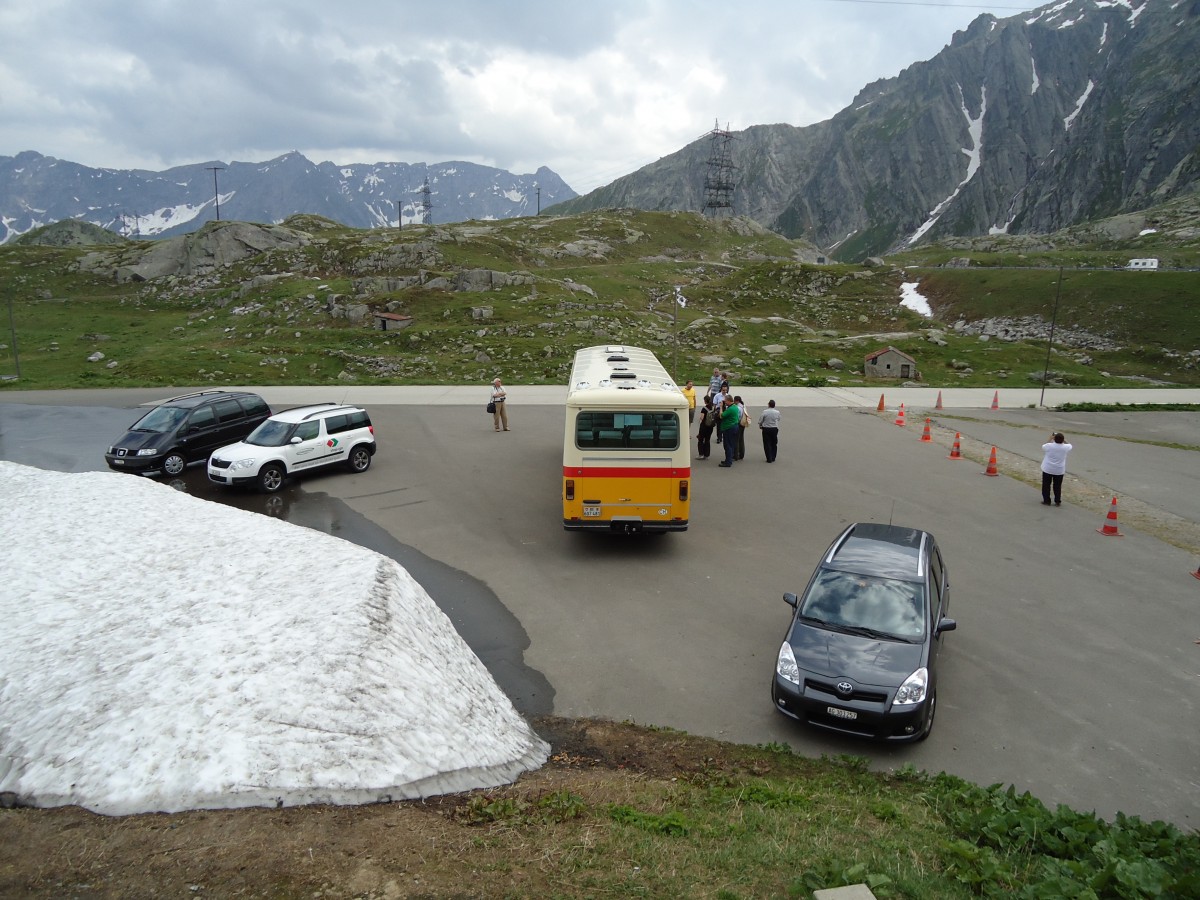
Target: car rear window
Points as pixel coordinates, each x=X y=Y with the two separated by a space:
x=228 y=410
x=255 y=406
x=347 y=422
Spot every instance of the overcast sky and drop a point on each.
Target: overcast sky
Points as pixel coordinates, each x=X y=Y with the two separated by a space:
x=592 y=90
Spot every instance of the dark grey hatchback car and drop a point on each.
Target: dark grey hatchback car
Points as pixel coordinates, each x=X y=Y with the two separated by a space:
x=185 y=430
x=861 y=654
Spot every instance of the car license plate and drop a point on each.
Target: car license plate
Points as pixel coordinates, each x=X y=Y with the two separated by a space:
x=591 y=512
x=841 y=713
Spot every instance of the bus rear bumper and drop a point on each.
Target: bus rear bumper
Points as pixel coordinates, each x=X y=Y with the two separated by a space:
x=625 y=526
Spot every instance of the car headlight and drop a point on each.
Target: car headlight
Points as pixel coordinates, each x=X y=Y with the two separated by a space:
x=914 y=688
x=242 y=463
x=785 y=665
x=147 y=451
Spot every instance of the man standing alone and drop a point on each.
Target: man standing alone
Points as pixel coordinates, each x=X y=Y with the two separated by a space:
x=769 y=423
x=1054 y=467
x=500 y=414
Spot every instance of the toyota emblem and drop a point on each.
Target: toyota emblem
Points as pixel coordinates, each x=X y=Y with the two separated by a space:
x=845 y=688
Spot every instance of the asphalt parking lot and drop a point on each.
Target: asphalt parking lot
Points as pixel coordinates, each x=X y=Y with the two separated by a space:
x=1074 y=672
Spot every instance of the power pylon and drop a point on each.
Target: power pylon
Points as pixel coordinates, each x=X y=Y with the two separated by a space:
x=718 y=181
x=425 y=205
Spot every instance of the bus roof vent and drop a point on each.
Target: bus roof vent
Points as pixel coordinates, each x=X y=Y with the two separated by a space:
x=615 y=348
x=624 y=373
x=618 y=357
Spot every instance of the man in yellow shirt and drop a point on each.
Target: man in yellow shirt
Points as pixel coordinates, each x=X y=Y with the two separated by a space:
x=690 y=393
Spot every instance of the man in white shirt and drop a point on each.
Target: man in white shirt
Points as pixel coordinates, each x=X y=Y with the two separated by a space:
x=1054 y=467
x=769 y=423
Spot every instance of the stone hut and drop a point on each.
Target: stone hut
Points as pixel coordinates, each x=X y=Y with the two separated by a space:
x=890 y=363
x=392 y=321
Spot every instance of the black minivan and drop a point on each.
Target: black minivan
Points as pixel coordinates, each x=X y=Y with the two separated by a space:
x=185 y=430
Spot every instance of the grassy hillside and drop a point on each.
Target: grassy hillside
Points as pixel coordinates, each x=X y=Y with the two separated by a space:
x=754 y=305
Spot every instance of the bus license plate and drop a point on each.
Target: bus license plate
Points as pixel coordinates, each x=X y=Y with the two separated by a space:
x=841 y=713
x=591 y=512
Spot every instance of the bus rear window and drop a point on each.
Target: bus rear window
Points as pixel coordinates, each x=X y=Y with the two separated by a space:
x=595 y=430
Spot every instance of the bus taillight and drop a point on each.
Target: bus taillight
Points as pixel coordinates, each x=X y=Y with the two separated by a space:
x=569 y=487
x=683 y=490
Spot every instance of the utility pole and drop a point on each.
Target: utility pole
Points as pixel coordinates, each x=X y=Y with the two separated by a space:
x=12 y=327
x=538 y=189
x=216 y=193
x=1050 y=342
x=399 y=218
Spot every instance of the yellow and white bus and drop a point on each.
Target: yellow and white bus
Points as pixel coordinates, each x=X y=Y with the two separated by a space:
x=626 y=455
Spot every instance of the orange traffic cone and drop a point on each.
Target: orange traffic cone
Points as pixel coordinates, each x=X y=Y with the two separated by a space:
x=900 y=416
x=996 y=400
x=956 y=451
x=879 y=408
x=938 y=405
x=1196 y=574
x=926 y=437
x=991 y=469
x=1110 y=526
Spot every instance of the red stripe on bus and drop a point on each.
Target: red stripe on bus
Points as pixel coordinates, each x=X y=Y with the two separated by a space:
x=623 y=472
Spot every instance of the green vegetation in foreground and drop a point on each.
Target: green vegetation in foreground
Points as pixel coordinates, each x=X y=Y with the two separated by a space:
x=1129 y=407
x=604 y=277
x=767 y=823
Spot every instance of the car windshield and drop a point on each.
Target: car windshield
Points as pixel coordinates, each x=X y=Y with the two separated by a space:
x=161 y=419
x=270 y=434
x=865 y=604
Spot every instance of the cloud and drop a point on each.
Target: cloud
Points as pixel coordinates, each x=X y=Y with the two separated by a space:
x=593 y=91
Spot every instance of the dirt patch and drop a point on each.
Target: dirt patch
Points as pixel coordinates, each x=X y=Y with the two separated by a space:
x=411 y=848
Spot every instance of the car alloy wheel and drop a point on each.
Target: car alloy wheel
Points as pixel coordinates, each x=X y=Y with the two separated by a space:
x=270 y=478
x=360 y=459
x=174 y=463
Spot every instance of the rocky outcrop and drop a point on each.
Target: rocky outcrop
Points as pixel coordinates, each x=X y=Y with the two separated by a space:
x=216 y=246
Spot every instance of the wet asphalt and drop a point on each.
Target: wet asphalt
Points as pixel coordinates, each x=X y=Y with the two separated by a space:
x=1073 y=673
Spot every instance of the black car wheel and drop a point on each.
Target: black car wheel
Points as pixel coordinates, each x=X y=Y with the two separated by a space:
x=174 y=463
x=271 y=478
x=929 y=718
x=360 y=459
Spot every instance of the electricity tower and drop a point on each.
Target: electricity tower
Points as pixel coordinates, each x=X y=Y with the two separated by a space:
x=718 y=181
x=425 y=205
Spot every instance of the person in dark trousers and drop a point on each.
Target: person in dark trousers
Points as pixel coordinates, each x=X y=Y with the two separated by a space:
x=730 y=413
x=1054 y=467
x=769 y=423
x=743 y=426
x=708 y=421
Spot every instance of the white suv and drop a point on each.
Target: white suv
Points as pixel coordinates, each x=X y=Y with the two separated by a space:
x=297 y=440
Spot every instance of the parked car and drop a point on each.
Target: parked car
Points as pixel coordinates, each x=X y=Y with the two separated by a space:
x=185 y=430
x=297 y=440
x=860 y=656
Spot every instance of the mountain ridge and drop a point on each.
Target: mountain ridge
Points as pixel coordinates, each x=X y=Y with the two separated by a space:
x=36 y=190
x=1030 y=124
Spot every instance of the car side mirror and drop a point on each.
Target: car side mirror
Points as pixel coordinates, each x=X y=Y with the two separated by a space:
x=790 y=599
x=295 y=439
x=947 y=625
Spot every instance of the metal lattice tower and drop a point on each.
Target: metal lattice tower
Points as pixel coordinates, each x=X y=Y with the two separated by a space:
x=718 y=181
x=425 y=205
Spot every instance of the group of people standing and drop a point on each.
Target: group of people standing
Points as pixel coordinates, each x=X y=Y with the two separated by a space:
x=727 y=415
